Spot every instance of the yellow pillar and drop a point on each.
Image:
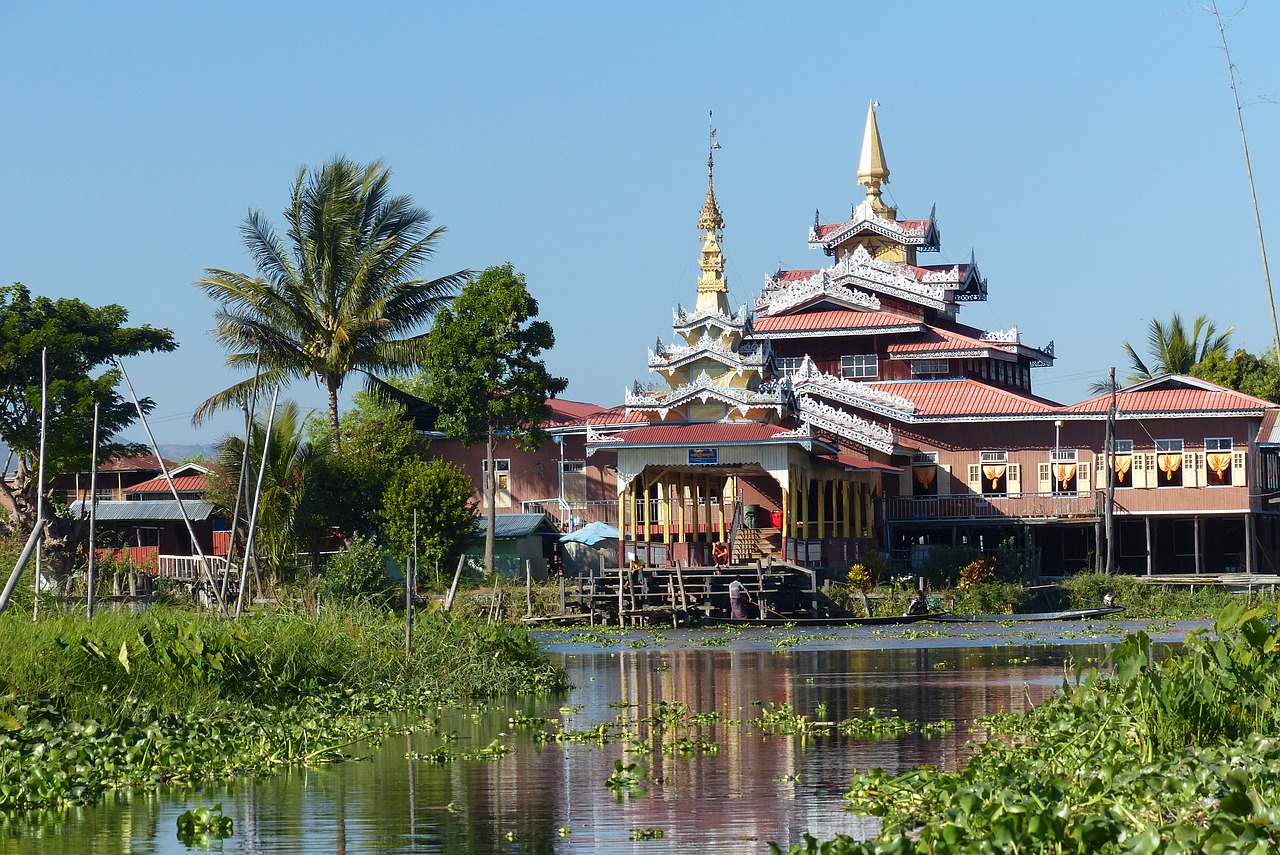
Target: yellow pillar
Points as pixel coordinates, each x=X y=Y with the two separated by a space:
x=822 y=507
x=845 y=512
x=857 y=509
x=696 y=510
x=664 y=510
x=804 y=503
x=724 y=489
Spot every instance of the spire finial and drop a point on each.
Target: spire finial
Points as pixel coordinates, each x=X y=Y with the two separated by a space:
x=873 y=171
x=710 y=219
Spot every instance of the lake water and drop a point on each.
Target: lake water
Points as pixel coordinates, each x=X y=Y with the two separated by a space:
x=738 y=790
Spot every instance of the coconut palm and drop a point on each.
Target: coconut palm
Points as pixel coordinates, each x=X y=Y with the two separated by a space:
x=1173 y=349
x=338 y=294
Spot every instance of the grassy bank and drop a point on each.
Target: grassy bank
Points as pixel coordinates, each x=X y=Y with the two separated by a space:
x=168 y=696
x=1172 y=755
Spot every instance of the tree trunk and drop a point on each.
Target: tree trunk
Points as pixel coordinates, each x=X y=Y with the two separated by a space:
x=491 y=511
x=332 y=387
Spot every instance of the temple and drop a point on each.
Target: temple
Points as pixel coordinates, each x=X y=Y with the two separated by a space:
x=850 y=409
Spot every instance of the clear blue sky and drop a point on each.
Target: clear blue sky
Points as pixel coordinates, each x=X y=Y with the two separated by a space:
x=1086 y=152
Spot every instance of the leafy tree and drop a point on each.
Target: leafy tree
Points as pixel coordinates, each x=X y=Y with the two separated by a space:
x=81 y=343
x=482 y=371
x=358 y=572
x=338 y=296
x=440 y=494
x=291 y=460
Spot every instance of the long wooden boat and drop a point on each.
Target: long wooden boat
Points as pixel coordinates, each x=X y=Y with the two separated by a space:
x=886 y=620
x=1069 y=614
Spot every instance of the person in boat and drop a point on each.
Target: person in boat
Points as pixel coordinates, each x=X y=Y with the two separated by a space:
x=737 y=593
x=917 y=605
x=1108 y=600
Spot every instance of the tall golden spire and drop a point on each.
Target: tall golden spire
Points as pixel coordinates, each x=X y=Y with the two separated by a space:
x=713 y=292
x=872 y=169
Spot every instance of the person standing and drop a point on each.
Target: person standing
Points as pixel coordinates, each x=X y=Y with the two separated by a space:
x=737 y=593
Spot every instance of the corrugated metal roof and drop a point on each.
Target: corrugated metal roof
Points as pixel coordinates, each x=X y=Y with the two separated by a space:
x=147 y=511
x=516 y=525
x=961 y=396
x=1267 y=432
x=139 y=463
x=934 y=339
x=183 y=483
x=1174 y=394
x=834 y=320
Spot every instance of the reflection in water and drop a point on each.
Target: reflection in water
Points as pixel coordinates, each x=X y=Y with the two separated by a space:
x=758 y=787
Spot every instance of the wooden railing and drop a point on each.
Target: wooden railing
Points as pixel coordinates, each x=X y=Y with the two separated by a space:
x=187 y=568
x=1024 y=506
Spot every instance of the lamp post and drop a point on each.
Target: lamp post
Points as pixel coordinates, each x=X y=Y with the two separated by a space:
x=1053 y=465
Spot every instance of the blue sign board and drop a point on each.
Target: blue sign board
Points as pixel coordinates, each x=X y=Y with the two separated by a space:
x=702 y=455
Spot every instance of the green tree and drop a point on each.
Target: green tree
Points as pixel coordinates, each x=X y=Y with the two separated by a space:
x=481 y=369
x=339 y=295
x=436 y=495
x=81 y=342
x=1174 y=349
x=290 y=463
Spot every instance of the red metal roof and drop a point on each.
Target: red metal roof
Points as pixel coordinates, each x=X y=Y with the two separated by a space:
x=569 y=412
x=698 y=433
x=1267 y=430
x=612 y=416
x=1175 y=393
x=833 y=320
x=184 y=484
x=935 y=339
x=851 y=460
x=955 y=396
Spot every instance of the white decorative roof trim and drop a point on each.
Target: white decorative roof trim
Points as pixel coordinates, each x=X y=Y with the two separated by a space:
x=846 y=424
x=865 y=218
x=683 y=319
x=704 y=388
x=817 y=286
x=671 y=356
x=887 y=276
x=974 y=353
x=909 y=326
x=809 y=377
x=1009 y=336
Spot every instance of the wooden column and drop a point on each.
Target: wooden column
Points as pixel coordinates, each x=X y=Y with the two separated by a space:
x=802 y=505
x=1150 y=556
x=822 y=507
x=695 y=511
x=645 y=512
x=859 y=489
x=846 y=513
x=724 y=489
x=664 y=510
x=1195 y=522
x=1249 y=552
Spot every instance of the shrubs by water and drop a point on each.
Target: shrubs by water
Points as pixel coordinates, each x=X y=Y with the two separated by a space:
x=167 y=696
x=1172 y=755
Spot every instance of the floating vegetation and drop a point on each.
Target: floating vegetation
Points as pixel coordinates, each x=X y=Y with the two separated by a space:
x=202 y=826
x=625 y=778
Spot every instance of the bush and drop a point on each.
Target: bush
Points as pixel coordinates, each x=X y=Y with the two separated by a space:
x=357 y=573
x=982 y=570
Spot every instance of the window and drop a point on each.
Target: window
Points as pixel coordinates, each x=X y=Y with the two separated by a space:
x=859 y=366
x=1169 y=462
x=995 y=472
x=924 y=474
x=1064 y=471
x=787 y=366
x=502 y=483
x=928 y=366
x=1217 y=460
x=573 y=480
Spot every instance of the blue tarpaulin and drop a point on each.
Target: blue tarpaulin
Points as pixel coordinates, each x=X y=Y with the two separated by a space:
x=590 y=534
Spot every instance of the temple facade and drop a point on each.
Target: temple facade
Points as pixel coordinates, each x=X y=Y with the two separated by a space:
x=850 y=409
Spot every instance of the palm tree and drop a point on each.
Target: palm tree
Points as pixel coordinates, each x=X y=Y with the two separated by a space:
x=1174 y=350
x=337 y=295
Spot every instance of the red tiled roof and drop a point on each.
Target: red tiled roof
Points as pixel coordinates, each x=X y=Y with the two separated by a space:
x=1175 y=393
x=612 y=416
x=568 y=412
x=834 y=320
x=965 y=397
x=795 y=275
x=698 y=433
x=140 y=463
x=907 y=225
x=850 y=460
x=184 y=484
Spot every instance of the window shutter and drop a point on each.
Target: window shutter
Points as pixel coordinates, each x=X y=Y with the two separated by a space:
x=1238 y=478
x=1014 y=479
x=1193 y=467
x=1100 y=471
x=975 y=478
x=1144 y=469
x=1083 y=469
x=1046 y=477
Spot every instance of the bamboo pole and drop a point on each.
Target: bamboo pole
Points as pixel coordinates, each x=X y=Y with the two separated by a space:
x=253 y=511
x=453 y=588
x=91 y=574
x=44 y=423
x=528 y=588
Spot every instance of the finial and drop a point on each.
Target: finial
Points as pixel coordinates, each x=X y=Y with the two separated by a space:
x=872 y=169
x=817 y=218
x=710 y=219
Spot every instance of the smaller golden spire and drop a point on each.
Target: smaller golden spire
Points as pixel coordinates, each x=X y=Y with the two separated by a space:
x=710 y=219
x=873 y=171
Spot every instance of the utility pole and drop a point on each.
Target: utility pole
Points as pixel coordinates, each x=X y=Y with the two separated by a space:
x=1110 y=506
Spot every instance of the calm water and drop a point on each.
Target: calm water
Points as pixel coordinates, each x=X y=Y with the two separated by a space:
x=553 y=798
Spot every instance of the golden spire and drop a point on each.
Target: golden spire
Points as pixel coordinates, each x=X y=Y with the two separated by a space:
x=710 y=218
x=713 y=292
x=872 y=169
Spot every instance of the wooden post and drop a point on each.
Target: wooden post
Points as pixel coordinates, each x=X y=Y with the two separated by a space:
x=621 y=605
x=671 y=592
x=1150 y=556
x=408 y=609
x=528 y=588
x=1195 y=522
x=562 y=595
x=453 y=588
x=684 y=600
x=761 y=606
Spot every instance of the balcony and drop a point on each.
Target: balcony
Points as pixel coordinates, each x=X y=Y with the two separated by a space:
x=974 y=506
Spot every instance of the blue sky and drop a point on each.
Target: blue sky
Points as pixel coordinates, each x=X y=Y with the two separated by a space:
x=1086 y=152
